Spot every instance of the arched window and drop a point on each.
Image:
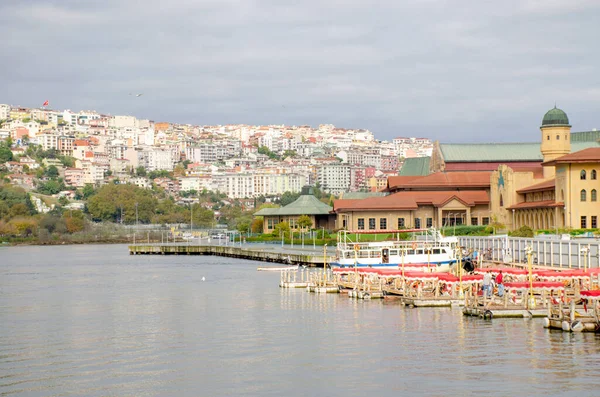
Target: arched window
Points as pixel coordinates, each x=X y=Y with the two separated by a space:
x=501 y=201
x=582 y=175
x=593 y=195
x=593 y=175
x=547 y=137
x=583 y=195
x=557 y=137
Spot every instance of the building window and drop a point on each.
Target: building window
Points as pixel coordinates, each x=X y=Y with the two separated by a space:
x=361 y=223
x=547 y=137
x=557 y=137
x=584 y=222
x=583 y=195
x=582 y=175
x=593 y=175
x=593 y=195
x=485 y=220
x=501 y=201
x=371 y=223
x=400 y=223
x=429 y=222
x=343 y=223
x=417 y=223
x=594 y=222
x=473 y=221
x=382 y=223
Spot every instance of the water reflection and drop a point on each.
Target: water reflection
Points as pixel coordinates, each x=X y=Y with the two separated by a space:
x=94 y=321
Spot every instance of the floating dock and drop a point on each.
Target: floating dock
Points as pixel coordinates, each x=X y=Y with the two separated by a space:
x=256 y=254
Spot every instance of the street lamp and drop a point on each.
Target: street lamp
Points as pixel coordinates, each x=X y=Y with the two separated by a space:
x=514 y=226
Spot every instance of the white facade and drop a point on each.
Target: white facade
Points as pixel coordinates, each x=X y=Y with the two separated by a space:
x=153 y=159
x=334 y=178
x=4 y=111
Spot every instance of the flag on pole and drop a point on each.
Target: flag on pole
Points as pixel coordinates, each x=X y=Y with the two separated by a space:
x=46 y=103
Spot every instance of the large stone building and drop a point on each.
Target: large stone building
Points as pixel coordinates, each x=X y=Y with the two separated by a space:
x=546 y=185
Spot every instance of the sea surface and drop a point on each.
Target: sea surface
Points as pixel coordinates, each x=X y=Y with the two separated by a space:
x=94 y=321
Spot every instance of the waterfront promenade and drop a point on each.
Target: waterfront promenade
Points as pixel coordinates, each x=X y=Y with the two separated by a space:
x=308 y=255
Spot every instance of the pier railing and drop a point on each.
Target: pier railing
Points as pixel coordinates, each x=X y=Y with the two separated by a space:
x=547 y=251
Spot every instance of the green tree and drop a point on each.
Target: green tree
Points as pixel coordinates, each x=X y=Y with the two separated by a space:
x=50 y=187
x=140 y=171
x=51 y=172
x=289 y=153
x=88 y=191
x=108 y=201
x=304 y=221
x=5 y=153
x=288 y=198
x=281 y=227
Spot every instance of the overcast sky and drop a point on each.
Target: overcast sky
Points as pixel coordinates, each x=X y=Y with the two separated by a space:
x=457 y=71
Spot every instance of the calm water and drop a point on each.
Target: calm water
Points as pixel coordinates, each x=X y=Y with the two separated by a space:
x=94 y=321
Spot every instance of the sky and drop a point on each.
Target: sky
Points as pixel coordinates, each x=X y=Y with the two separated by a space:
x=453 y=71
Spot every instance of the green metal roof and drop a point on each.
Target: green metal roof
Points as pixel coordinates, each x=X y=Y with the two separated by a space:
x=415 y=166
x=491 y=152
x=585 y=136
x=555 y=117
x=304 y=205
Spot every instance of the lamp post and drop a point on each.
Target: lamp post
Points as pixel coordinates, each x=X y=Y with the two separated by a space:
x=514 y=225
x=529 y=252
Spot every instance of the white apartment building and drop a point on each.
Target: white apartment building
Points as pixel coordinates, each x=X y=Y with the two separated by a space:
x=153 y=158
x=4 y=111
x=48 y=141
x=334 y=178
x=124 y=122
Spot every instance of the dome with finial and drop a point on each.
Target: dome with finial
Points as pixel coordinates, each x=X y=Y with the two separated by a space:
x=555 y=117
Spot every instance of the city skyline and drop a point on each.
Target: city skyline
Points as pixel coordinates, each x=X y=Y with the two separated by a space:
x=427 y=69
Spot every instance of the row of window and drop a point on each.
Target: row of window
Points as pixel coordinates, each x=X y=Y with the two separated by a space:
x=583 y=175
x=594 y=222
x=372 y=223
x=593 y=195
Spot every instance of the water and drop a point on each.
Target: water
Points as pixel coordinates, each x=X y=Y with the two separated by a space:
x=93 y=321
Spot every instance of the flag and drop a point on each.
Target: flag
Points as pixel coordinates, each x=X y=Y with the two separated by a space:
x=46 y=103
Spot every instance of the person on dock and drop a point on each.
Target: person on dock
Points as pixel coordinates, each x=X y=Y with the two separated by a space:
x=487 y=284
x=499 y=279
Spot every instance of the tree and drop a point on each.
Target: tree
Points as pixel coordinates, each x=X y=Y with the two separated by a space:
x=5 y=153
x=289 y=153
x=140 y=171
x=305 y=221
x=288 y=198
x=88 y=191
x=50 y=187
x=281 y=227
x=74 y=221
x=257 y=225
x=106 y=204
x=51 y=172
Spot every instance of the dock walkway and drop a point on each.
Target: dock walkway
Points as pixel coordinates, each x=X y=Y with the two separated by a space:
x=267 y=254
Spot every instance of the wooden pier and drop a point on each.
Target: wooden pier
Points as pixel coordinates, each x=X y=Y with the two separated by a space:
x=256 y=254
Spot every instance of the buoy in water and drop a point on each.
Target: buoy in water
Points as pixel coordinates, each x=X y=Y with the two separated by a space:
x=546 y=322
x=566 y=326
x=577 y=326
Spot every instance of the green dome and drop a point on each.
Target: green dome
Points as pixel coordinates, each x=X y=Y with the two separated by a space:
x=555 y=117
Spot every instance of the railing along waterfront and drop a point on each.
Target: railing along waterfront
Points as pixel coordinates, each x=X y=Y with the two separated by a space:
x=579 y=253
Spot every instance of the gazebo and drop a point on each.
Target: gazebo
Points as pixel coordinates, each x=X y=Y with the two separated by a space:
x=307 y=204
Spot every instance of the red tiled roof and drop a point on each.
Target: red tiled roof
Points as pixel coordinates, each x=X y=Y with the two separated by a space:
x=444 y=179
x=539 y=187
x=536 y=204
x=412 y=199
x=589 y=155
x=81 y=142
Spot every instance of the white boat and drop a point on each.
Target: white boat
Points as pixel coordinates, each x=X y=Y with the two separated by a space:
x=429 y=251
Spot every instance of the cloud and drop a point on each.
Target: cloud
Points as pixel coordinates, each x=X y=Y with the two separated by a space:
x=453 y=71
